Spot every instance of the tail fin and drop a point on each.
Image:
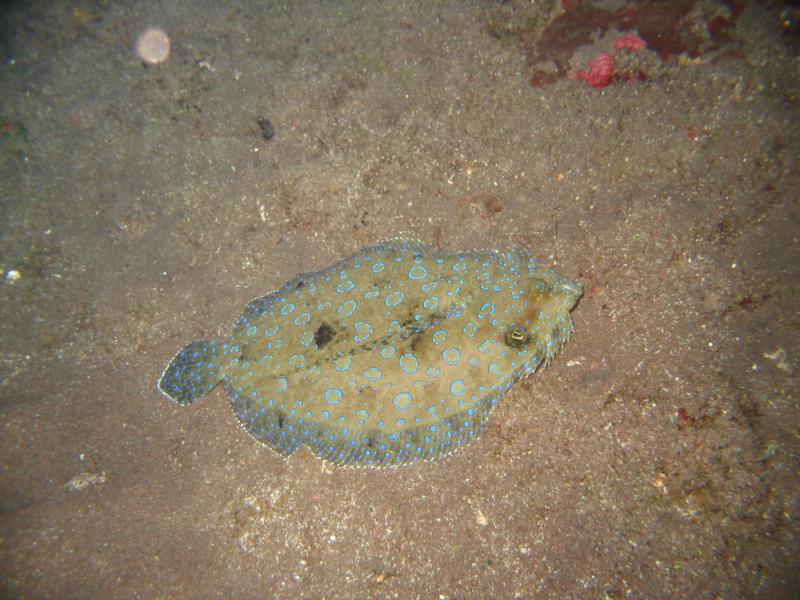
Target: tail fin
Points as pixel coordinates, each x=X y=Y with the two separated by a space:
x=195 y=371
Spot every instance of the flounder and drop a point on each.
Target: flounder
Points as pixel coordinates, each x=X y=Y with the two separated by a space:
x=394 y=355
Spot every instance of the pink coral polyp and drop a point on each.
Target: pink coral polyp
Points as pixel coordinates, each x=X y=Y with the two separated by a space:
x=601 y=70
x=631 y=42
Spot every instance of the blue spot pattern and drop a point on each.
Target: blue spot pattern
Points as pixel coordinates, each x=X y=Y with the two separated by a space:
x=395 y=355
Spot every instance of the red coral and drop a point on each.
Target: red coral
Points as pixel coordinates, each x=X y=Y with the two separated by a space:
x=600 y=72
x=684 y=418
x=601 y=69
x=629 y=41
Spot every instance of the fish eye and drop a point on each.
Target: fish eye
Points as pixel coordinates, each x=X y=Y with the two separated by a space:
x=517 y=337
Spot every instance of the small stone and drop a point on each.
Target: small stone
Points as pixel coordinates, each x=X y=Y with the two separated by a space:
x=480 y=518
x=267 y=130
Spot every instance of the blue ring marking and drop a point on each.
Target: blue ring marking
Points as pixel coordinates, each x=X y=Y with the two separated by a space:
x=431 y=303
x=307 y=338
x=394 y=298
x=470 y=329
x=409 y=363
x=401 y=421
x=369 y=294
x=378 y=267
x=363 y=331
x=460 y=266
x=417 y=272
x=486 y=346
x=362 y=415
x=494 y=369
x=387 y=352
x=297 y=360
x=270 y=331
x=281 y=384
x=327 y=415
x=457 y=388
x=343 y=363
x=486 y=309
x=473 y=361
x=454 y=311
x=451 y=356
x=287 y=309
x=347 y=308
x=252 y=330
x=373 y=374
x=439 y=336
x=345 y=286
x=302 y=319
x=402 y=401
x=433 y=372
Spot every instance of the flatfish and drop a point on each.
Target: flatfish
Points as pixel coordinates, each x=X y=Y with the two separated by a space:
x=394 y=355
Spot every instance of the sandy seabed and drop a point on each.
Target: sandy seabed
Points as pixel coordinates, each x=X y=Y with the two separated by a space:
x=143 y=204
